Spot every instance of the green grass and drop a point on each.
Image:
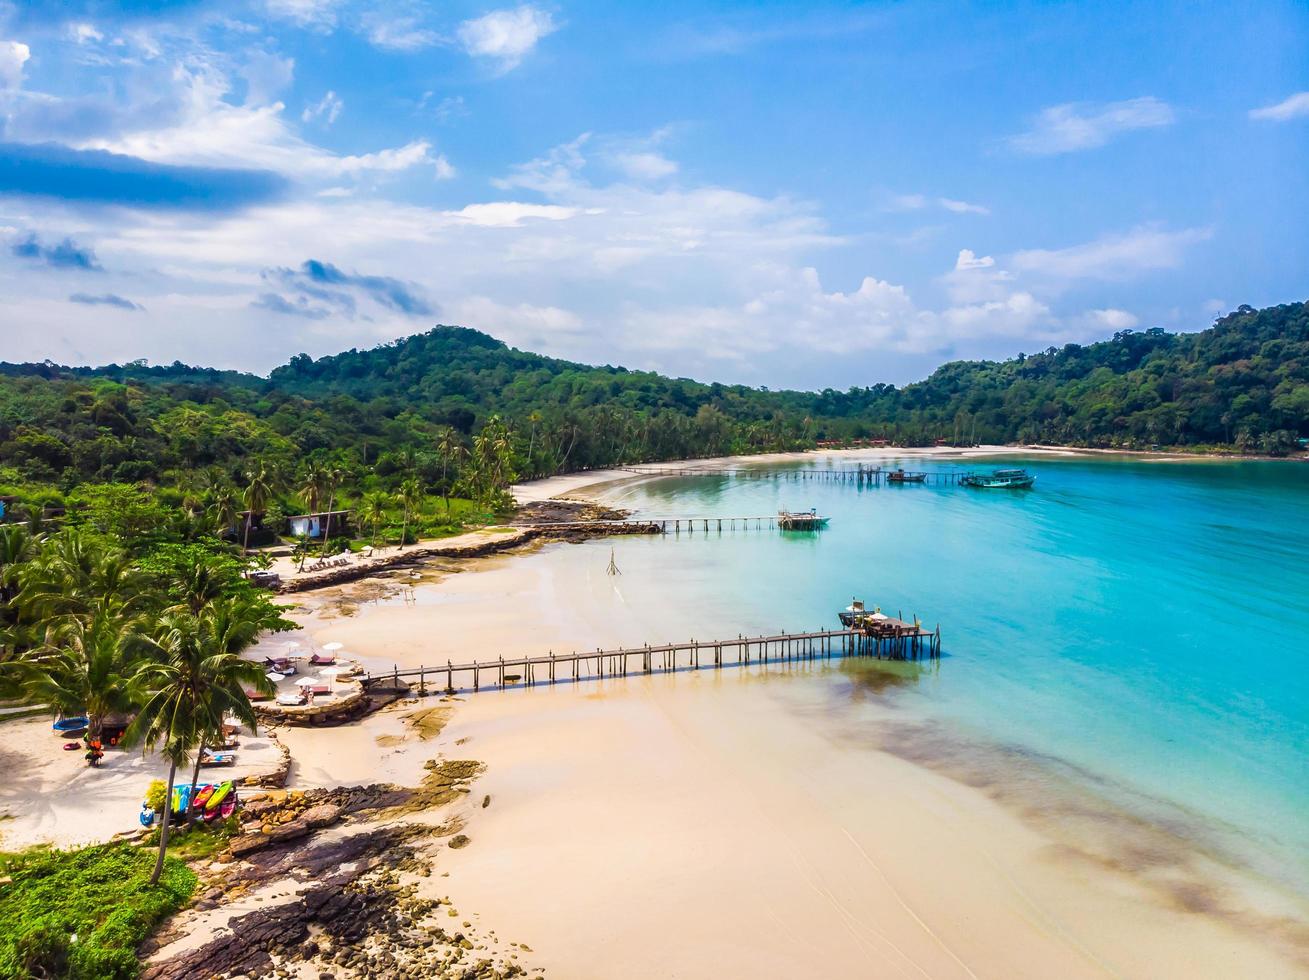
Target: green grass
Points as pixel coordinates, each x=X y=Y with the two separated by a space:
x=81 y=914
x=198 y=842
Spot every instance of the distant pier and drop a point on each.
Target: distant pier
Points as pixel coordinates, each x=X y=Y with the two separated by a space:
x=890 y=639
x=871 y=476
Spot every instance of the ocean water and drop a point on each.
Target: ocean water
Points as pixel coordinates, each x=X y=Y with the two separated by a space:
x=1137 y=630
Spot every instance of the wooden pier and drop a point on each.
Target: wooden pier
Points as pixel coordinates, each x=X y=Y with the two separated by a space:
x=870 y=476
x=892 y=639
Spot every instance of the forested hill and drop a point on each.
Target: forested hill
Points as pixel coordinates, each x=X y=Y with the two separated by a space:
x=1244 y=382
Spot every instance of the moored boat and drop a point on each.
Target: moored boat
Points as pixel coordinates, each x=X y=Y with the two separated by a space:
x=802 y=521
x=1000 y=480
x=900 y=476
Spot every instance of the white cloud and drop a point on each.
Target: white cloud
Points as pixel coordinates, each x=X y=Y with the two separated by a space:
x=203 y=128
x=968 y=261
x=13 y=56
x=506 y=36
x=1292 y=107
x=83 y=33
x=919 y=202
x=266 y=75
x=398 y=33
x=319 y=14
x=328 y=108
x=646 y=165
x=1085 y=125
x=510 y=214
x=962 y=207
x=1113 y=319
x=1112 y=257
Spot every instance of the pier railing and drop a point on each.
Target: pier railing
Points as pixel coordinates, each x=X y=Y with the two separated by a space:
x=889 y=639
x=858 y=475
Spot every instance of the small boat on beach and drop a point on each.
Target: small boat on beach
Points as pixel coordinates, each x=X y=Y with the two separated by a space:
x=800 y=521
x=1000 y=480
x=900 y=476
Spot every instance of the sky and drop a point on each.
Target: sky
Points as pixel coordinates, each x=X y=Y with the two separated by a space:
x=790 y=195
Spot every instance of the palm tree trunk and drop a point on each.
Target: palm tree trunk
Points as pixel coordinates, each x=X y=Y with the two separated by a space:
x=163 y=827
x=245 y=541
x=327 y=528
x=404 y=529
x=195 y=778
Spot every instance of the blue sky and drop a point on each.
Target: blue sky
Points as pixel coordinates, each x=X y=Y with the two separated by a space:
x=779 y=194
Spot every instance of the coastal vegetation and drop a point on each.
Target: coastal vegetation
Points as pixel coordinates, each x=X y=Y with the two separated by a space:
x=461 y=414
x=82 y=913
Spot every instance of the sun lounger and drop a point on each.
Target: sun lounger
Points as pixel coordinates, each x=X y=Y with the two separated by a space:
x=258 y=696
x=322 y=659
x=324 y=689
x=291 y=700
x=218 y=759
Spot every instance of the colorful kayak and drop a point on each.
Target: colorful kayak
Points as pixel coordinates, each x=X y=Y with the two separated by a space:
x=227 y=808
x=67 y=726
x=181 y=799
x=220 y=793
x=202 y=795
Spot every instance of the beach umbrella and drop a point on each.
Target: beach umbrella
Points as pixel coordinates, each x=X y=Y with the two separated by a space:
x=290 y=644
x=330 y=673
x=305 y=681
x=333 y=646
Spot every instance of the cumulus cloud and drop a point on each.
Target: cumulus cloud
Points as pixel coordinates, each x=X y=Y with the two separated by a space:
x=506 y=36
x=66 y=254
x=1112 y=319
x=105 y=299
x=13 y=56
x=1074 y=126
x=84 y=33
x=1292 y=107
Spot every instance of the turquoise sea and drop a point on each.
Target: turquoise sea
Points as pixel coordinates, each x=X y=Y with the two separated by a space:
x=1139 y=629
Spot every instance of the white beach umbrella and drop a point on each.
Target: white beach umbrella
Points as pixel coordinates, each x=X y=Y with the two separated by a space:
x=290 y=644
x=330 y=674
x=333 y=646
x=305 y=681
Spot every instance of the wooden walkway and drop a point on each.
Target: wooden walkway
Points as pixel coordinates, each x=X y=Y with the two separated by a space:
x=872 y=476
x=892 y=639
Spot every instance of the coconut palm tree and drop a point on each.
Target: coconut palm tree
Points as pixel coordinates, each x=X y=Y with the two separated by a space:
x=452 y=451
x=84 y=665
x=311 y=491
x=223 y=503
x=258 y=491
x=411 y=496
x=195 y=678
x=334 y=477
x=374 y=511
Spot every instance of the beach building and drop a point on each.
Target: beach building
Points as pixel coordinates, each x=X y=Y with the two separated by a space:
x=318 y=526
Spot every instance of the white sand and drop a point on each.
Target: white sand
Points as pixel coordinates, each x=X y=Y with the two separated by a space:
x=685 y=827
x=51 y=796
x=593 y=482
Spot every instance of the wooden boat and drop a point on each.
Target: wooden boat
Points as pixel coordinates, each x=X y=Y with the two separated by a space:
x=801 y=521
x=1000 y=480
x=900 y=476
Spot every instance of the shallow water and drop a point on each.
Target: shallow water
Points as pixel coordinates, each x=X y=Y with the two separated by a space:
x=1140 y=627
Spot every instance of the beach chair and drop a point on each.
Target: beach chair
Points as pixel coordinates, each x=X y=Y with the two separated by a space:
x=322 y=660
x=218 y=758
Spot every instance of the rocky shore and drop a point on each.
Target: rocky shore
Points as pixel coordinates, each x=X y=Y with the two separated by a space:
x=337 y=883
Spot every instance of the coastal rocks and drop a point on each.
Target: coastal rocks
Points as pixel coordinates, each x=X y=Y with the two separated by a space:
x=280 y=773
x=458 y=841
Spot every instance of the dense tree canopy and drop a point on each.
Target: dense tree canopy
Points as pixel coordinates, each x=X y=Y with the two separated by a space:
x=1244 y=382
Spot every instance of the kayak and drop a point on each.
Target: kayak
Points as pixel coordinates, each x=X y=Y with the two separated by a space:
x=65 y=725
x=227 y=807
x=220 y=793
x=181 y=799
x=202 y=794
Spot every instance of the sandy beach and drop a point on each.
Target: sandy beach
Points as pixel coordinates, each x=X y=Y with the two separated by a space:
x=716 y=824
